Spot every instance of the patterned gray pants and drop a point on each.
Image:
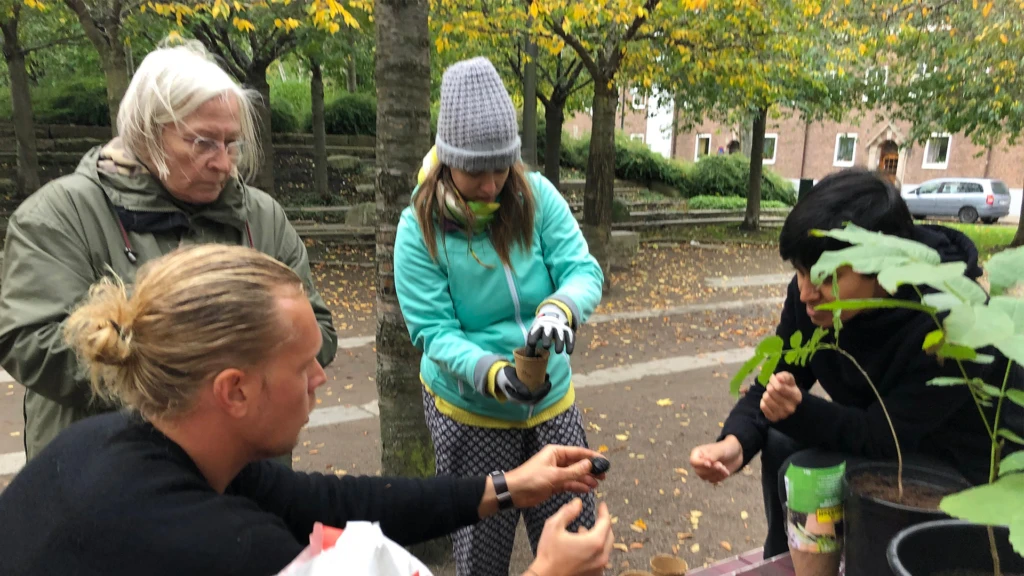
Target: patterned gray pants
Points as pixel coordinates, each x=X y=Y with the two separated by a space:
x=461 y=450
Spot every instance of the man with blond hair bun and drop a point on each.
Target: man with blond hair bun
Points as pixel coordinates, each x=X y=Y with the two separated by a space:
x=215 y=358
x=175 y=176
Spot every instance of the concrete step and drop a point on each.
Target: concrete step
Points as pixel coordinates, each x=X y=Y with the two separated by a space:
x=684 y=222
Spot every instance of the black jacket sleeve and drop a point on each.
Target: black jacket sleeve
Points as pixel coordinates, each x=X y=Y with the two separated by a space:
x=916 y=408
x=408 y=510
x=745 y=421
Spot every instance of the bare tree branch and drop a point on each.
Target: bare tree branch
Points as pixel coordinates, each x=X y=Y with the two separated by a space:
x=92 y=30
x=77 y=37
x=581 y=51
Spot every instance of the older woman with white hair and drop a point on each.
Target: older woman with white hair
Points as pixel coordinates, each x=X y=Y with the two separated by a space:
x=175 y=176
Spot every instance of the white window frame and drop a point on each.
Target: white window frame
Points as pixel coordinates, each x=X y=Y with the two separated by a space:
x=696 y=147
x=639 y=102
x=637 y=136
x=835 y=155
x=775 y=149
x=925 y=164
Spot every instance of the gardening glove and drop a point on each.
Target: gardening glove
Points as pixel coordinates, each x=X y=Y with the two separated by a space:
x=503 y=384
x=551 y=328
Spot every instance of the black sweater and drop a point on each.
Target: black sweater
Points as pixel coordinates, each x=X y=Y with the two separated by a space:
x=941 y=422
x=112 y=495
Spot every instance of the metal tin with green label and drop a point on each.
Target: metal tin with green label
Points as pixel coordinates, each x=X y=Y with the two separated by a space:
x=815 y=508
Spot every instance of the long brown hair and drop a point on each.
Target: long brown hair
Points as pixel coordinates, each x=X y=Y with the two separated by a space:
x=513 y=222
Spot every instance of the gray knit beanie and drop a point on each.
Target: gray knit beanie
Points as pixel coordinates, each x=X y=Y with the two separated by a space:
x=476 y=127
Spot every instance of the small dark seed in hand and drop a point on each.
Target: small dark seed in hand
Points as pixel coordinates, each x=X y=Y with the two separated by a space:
x=599 y=465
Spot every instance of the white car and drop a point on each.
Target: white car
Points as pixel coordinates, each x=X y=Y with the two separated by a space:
x=968 y=199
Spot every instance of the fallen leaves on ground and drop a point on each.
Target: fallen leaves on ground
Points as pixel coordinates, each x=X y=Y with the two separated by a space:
x=638 y=525
x=664 y=402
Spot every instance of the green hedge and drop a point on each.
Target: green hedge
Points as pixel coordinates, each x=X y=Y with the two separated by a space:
x=729 y=175
x=82 y=101
x=283 y=117
x=634 y=161
x=727 y=203
x=351 y=114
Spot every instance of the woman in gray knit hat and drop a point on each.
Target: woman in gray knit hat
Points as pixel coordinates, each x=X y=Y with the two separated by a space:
x=489 y=259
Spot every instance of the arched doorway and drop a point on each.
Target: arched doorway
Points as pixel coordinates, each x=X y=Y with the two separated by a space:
x=889 y=160
x=734 y=147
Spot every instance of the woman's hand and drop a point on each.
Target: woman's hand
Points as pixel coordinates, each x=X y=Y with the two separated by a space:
x=717 y=461
x=562 y=553
x=551 y=329
x=553 y=470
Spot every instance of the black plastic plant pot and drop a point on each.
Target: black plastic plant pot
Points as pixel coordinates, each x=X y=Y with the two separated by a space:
x=871 y=523
x=953 y=546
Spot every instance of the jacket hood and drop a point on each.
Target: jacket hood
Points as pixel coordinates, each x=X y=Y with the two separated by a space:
x=141 y=195
x=952 y=246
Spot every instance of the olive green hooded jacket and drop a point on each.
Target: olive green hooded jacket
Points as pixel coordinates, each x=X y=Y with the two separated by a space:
x=66 y=236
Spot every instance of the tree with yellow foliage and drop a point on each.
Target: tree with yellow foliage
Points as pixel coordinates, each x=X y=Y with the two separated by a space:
x=953 y=67
x=778 y=57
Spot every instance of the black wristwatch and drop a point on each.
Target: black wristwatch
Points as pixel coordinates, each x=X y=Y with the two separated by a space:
x=501 y=490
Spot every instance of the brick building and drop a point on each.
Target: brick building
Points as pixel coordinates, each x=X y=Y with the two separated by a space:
x=796 y=150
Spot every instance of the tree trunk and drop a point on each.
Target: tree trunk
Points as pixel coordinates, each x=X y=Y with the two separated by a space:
x=752 y=219
x=21 y=107
x=600 y=186
x=316 y=89
x=403 y=136
x=257 y=80
x=115 y=69
x=554 y=116
x=530 y=104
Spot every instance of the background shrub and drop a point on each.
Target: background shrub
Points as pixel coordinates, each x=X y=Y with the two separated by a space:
x=729 y=174
x=351 y=114
x=283 y=117
x=81 y=101
x=634 y=161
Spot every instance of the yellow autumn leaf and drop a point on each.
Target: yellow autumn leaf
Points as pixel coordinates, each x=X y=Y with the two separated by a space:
x=986 y=10
x=664 y=402
x=566 y=25
x=862 y=48
x=1003 y=38
x=744 y=515
x=243 y=25
x=174 y=35
x=602 y=449
x=725 y=545
x=620 y=546
x=639 y=525
x=695 y=548
x=621 y=437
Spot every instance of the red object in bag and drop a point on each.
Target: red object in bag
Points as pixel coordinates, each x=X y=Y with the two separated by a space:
x=331 y=535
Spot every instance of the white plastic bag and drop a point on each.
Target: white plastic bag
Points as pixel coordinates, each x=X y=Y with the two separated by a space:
x=361 y=550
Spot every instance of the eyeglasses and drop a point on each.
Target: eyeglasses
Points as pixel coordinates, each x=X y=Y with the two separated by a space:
x=204 y=148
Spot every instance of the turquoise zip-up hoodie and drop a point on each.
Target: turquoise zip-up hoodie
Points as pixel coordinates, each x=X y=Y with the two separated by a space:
x=465 y=317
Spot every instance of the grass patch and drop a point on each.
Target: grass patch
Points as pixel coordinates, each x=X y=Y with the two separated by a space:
x=988 y=238
x=716 y=234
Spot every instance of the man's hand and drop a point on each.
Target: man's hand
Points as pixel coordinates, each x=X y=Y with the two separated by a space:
x=781 y=397
x=561 y=552
x=716 y=462
x=553 y=470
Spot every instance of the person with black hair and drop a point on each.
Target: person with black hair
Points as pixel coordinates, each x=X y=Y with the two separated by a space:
x=785 y=423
